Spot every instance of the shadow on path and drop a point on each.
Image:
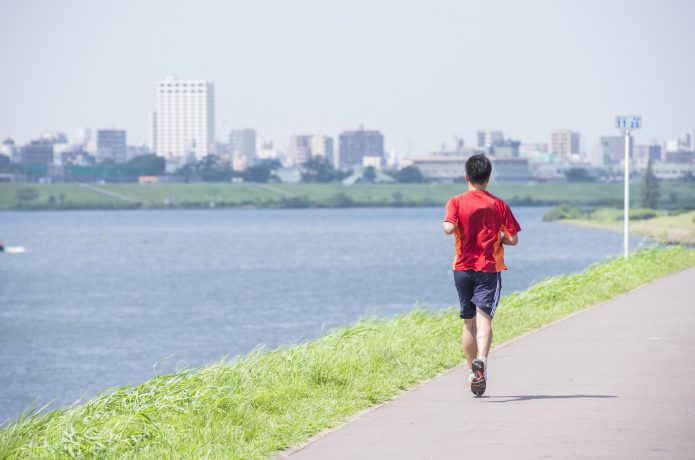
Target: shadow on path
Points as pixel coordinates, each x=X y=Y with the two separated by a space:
x=529 y=397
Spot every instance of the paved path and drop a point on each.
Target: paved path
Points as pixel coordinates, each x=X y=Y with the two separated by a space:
x=617 y=381
x=270 y=188
x=115 y=195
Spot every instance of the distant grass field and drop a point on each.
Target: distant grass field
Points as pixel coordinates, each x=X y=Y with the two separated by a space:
x=55 y=196
x=259 y=404
x=673 y=229
x=71 y=196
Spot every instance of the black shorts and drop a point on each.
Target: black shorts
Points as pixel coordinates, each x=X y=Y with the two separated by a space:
x=477 y=289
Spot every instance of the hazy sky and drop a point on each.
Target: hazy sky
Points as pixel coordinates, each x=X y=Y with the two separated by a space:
x=422 y=71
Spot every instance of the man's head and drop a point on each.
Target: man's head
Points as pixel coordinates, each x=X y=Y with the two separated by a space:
x=478 y=169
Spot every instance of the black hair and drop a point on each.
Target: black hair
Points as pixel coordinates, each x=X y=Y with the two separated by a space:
x=478 y=169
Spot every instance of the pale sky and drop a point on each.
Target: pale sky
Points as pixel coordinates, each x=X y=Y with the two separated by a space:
x=422 y=71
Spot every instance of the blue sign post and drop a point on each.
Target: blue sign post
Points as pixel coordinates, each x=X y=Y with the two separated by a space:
x=627 y=123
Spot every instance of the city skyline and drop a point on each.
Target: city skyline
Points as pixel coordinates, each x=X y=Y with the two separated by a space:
x=420 y=74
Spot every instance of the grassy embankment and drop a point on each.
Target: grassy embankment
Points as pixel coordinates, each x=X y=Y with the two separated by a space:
x=258 y=404
x=71 y=196
x=663 y=226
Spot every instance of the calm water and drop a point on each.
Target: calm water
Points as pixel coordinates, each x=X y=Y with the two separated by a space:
x=101 y=297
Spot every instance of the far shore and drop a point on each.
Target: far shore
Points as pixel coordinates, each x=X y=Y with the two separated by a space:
x=93 y=196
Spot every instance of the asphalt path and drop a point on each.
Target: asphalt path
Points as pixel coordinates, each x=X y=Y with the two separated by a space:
x=614 y=381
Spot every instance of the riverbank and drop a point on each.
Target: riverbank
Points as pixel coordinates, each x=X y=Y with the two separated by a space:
x=206 y=195
x=256 y=405
x=662 y=226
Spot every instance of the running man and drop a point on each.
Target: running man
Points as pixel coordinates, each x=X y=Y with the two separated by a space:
x=481 y=224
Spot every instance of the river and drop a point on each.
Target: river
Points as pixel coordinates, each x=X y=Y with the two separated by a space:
x=101 y=298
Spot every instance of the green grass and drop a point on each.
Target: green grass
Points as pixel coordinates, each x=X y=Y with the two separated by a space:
x=65 y=196
x=198 y=194
x=662 y=226
x=331 y=195
x=264 y=402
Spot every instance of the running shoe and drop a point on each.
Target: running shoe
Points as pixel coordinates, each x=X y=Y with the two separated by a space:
x=479 y=380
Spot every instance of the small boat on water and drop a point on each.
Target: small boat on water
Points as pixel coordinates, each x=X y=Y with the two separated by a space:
x=12 y=249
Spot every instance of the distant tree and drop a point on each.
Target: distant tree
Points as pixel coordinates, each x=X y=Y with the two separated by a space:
x=369 y=174
x=409 y=175
x=150 y=165
x=188 y=172
x=579 y=175
x=211 y=168
x=649 y=198
x=261 y=173
x=318 y=170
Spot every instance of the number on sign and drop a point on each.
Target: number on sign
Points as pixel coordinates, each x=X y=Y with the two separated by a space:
x=628 y=122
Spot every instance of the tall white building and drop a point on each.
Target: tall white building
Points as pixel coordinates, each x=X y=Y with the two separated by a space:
x=183 y=127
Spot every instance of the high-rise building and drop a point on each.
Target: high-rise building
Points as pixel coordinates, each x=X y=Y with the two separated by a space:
x=184 y=123
x=322 y=146
x=355 y=145
x=300 y=149
x=564 y=142
x=305 y=147
x=489 y=139
x=242 y=142
x=111 y=145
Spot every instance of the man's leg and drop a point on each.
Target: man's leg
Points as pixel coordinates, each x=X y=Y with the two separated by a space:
x=469 y=340
x=483 y=327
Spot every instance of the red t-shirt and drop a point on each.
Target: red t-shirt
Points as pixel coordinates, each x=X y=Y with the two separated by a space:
x=480 y=219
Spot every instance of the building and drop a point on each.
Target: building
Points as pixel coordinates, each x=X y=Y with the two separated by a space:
x=612 y=149
x=564 y=142
x=242 y=142
x=355 y=145
x=506 y=148
x=300 y=149
x=111 y=145
x=644 y=153
x=453 y=168
x=674 y=171
x=304 y=147
x=37 y=152
x=682 y=157
x=152 y=132
x=82 y=136
x=8 y=149
x=184 y=122
x=265 y=150
x=681 y=144
x=488 y=139
x=322 y=146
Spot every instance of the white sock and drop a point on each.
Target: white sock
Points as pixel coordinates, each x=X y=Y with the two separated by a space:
x=487 y=372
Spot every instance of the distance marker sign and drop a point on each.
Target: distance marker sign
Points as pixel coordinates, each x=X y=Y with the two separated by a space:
x=628 y=121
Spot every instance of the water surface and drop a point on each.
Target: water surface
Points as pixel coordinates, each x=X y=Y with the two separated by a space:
x=101 y=296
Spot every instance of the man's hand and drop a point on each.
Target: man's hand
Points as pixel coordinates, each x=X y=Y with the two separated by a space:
x=449 y=228
x=510 y=240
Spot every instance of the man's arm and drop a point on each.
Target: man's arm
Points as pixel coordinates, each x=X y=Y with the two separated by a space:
x=449 y=228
